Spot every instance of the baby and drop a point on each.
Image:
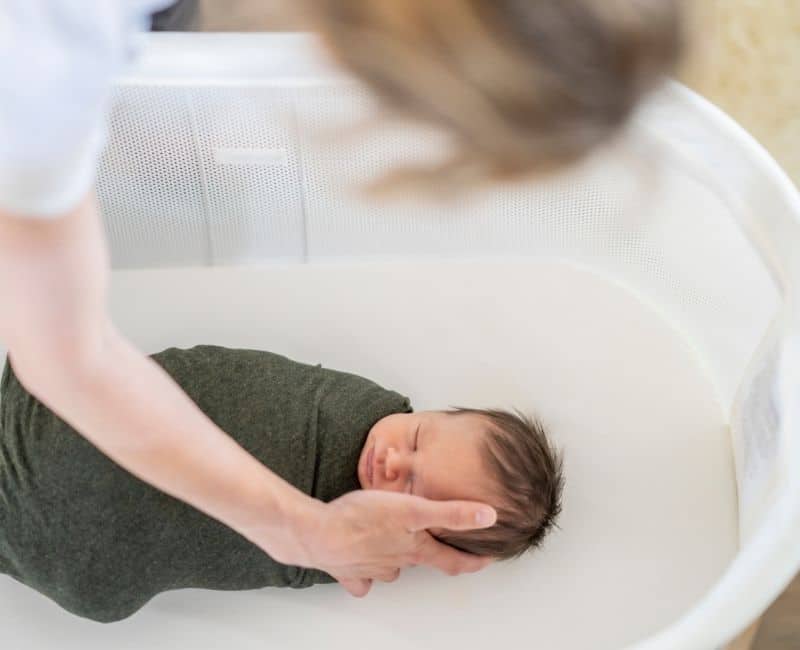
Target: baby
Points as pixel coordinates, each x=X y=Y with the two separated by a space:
x=491 y=456
x=101 y=543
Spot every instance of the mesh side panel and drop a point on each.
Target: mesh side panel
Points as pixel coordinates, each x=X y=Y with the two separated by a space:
x=149 y=184
x=249 y=164
x=201 y=176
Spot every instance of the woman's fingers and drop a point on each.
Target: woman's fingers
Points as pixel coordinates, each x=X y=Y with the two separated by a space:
x=358 y=587
x=388 y=576
x=370 y=534
x=452 y=515
x=450 y=560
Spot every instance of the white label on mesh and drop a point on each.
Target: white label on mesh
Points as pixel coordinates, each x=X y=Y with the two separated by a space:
x=760 y=422
x=269 y=157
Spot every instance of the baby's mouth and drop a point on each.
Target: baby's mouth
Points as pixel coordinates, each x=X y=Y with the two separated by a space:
x=369 y=464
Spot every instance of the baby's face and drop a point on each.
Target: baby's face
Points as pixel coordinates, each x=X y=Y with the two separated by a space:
x=429 y=454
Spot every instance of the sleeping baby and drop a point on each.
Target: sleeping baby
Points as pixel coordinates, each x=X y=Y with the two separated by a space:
x=101 y=543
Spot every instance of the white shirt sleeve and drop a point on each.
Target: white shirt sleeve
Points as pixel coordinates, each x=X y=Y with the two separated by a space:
x=57 y=62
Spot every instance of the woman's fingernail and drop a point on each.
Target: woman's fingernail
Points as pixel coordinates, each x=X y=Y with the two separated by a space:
x=484 y=517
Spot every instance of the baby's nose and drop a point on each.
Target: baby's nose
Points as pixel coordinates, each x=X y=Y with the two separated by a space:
x=396 y=464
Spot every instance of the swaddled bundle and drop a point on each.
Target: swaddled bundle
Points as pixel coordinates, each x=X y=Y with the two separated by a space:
x=101 y=543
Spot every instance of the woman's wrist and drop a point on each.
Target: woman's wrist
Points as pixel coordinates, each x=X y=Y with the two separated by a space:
x=283 y=531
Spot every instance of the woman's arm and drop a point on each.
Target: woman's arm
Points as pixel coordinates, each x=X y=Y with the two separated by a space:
x=65 y=350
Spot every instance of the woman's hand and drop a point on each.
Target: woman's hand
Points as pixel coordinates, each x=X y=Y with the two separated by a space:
x=372 y=534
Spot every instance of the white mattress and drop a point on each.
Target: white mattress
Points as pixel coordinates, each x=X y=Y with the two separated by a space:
x=649 y=519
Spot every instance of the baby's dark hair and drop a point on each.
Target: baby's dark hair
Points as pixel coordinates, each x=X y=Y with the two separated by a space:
x=527 y=471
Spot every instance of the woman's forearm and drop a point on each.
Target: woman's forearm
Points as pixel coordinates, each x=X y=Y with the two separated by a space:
x=132 y=410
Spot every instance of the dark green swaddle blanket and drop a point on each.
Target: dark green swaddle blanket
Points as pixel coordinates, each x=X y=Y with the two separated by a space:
x=101 y=543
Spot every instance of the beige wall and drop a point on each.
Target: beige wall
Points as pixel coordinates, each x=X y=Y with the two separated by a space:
x=745 y=57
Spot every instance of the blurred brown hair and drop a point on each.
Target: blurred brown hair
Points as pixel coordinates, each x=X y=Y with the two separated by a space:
x=521 y=86
x=527 y=473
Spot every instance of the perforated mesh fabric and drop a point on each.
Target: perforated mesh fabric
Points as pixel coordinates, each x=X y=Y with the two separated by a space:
x=149 y=181
x=199 y=176
x=251 y=175
x=237 y=175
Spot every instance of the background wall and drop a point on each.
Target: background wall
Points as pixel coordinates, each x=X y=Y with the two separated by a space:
x=745 y=57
